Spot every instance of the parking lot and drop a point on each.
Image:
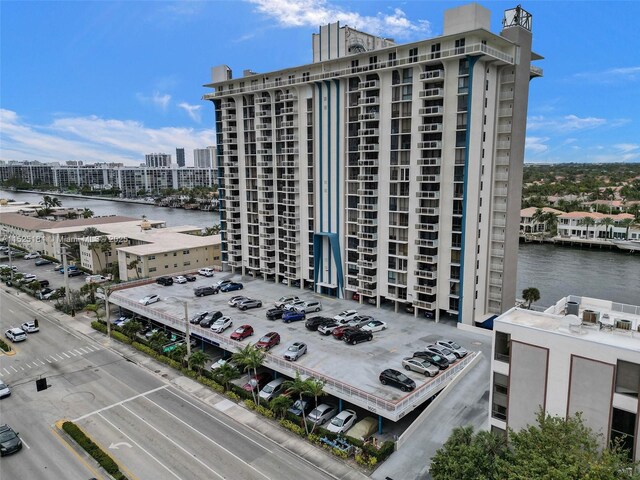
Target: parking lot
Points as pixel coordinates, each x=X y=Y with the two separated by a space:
x=45 y=272
x=357 y=366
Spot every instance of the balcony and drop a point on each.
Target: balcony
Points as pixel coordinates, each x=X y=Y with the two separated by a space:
x=505 y=128
x=428 y=211
x=423 y=304
x=430 y=162
x=229 y=129
x=369 y=116
x=500 y=192
x=289 y=189
x=425 y=274
x=508 y=78
x=506 y=96
x=432 y=75
x=367 y=250
x=287 y=96
x=425 y=289
x=502 y=160
x=369 y=132
x=426 y=258
x=497 y=253
x=427 y=227
x=263 y=126
x=428 y=178
x=264 y=138
x=261 y=100
x=287 y=124
x=368 y=100
x=505 y=145
x=368 y=85
x=367 y=178
x=263 y=113
x=367 y=236
x=430 y=127
x=432 y=145
x=370 y=162
x=366 y=264
x=367 y=193
x=367 y=206
x=265 y=176
x=505 y=112
x=432 y=93
x=435 y=110
x=228 y=117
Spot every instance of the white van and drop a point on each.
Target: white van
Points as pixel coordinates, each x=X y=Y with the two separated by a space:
x=96 y=279
x=206 y=272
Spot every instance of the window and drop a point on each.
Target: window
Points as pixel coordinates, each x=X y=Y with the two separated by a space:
x=152 y=269
x=628 y=378
x=460 y=46
x=413 y=54
x=502 y=346
x=152 y=257
x=623 y=426
x=185 y=252
x=500 y=396
x=435 y=50
x=175 y=254
x=186 y=264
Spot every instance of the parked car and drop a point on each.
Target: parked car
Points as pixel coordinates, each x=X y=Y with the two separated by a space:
x=328 y=328
x=165 y=281
x=120 y=321
x=30 y=327
x=149 y=299
x=57 y=267
x=357 y=336
x=456 y=349
x=234 y=301
x=268 y=341
x=397 y=379
x=43 y=283
x=76 y=273
x=346 y=316
x=49 y=295
x=242 y=332
x=221 y=324
x=340 y=331
x=43 y=261
x=292 y=316
x=375 y=326
x=434 y=358
x=202 y=291
x=29 y=277
x=5 y=391
x=190 y=278
x=179 y=279
x=206 y=272
x=322 y=413
x=223 y=361
x=295 y=351
x=314 y=322
x=15 y=334
x=282 y=301
x=291 y=306
x=70 y=268
x=45 y=291
x=102 y=279
x=272 y=389
x=231 y=287
x=342 y=422
x=359 y=320
x=420 y=365
x=309 y=306
x=221 y=283
x=9 y=440
x=249 y=303
x=443 y=352
x=32 y=256
x=305 y=405
x=207 y=321
x=257 y=381
x=274 y=313
x=198 y=317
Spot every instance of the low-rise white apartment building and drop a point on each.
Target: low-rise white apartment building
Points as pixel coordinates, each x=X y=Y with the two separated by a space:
x=580 y=355
x=530 y=224
x=594 y=225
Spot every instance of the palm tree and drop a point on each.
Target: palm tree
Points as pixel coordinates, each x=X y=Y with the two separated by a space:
x=531 y=295
x=299 y=387
x=539 y=217
x=315 y=388
x=179 y=353
x=87 y=213
x=626 y=224
x=607 y=222
x=133 y=265
x=105 y=247
x=94 y=247
x=90 y=232
x=587 y=222
x=250 y=358
x=280 y=405
x=225 y=374
x=197 y=360
x=90 y=290
x=131 y=329
x=34 y=285
x=157 y=341
x=215 y=230
x=551 y=223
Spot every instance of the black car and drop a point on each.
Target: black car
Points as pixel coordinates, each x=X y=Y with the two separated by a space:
x=202 y=291
x=43 y=261
x=397 y=379
x=9 y=441
x=441 y=362
x=166 y=281
x=207 y=321
x=198 y=317
x=75 y=273
x=357 y=336
x=314 y=322
x=275 y=313
x=44 y=283
x=190 y=278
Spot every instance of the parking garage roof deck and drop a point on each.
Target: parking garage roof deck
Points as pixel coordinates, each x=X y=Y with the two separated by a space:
x=350 y=372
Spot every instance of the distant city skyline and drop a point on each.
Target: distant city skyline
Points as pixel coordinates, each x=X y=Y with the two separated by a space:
x=75 y=100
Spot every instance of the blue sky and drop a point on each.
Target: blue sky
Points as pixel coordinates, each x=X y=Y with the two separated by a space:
x=110 y=81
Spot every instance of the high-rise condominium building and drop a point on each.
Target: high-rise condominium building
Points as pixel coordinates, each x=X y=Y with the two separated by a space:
x=390 y=172
x=202 y=157
x=157 y=160
x=180 y=157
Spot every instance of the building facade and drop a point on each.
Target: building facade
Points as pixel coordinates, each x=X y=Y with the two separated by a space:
x=203 y=157
x=157 y=160
x=388 y=171
x=580 y=355
x=180 y=160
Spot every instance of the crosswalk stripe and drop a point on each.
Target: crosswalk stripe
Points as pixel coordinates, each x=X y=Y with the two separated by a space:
x=8 y=372
x=84 y=349
x=49 y=361
x=63 y=353
x=79 y=353
x=72 y=353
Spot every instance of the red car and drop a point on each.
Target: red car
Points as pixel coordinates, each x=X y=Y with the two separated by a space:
x=242 y=332
x=341 y=331
x=259 y=380
x=269 y=341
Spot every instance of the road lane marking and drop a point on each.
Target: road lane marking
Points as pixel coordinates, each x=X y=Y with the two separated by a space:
x=140 y=447
x=175 y=443
x=25 y=443
x=119 y=403
x=65 y=355
x=84 y=350
x=76 y=454
x=220 y=421
x=205 y=436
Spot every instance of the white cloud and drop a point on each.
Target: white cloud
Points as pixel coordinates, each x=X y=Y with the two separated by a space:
x=161 y=101
x=92 y=139
x=568 y=123
x=536 y=144
x=611 y=75
x=192 y=110
x=313 y=13
x=627 y=147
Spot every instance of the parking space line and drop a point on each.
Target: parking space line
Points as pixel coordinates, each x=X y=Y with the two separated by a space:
x=41 y=361
x=205 y=436
x=174 y=442
x=219 y=421
x=1 y=375
x=54 y=358
x=28 y=365
x=65 y=355
x=84 y=349
x=48 y=361
x=140 y=447
x=120 y=403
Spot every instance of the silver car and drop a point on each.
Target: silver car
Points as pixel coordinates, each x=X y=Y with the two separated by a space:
x=443 y=352
x=420 y=365
x=295 y=351
x=455 y=348
x=249 y=303
x=322 y=413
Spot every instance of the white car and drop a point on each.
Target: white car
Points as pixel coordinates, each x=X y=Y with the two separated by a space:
x=309 y=306
x=149 y=299
x=282 y=301
x=206 y=272
x=293 y=305
x=31 y=256
x=179 y=279
x=220 y=362
x=15 y=334
x=30 y=327
x=322 y=413
x=234 y=301
x=374 y=326
x=29 y=277
x=342 y=422
x=420 y=365
x=221 y=324
x=456 y=349
x=346 y=316
x=5 y=391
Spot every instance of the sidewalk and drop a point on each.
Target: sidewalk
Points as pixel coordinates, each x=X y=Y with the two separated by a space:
x=81 y=324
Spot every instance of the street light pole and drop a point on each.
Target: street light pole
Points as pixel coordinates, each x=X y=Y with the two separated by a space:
x=187 y=325
x=66 y=276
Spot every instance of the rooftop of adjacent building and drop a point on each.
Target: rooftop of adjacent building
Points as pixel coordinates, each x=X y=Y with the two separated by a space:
x=32 y=223
x=598 y=321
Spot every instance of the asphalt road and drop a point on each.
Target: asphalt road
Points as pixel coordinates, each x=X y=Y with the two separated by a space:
x=151 y=428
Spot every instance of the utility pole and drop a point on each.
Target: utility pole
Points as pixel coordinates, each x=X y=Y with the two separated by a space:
x=107 y=292
x=67 y=293
x=186 y=328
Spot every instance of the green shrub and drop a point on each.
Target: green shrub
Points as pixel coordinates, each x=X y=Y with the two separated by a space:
x=99 y=326
x=92 y=449
x=339 y=453
x=4 y=346
x=232 y=396
x=265 y=411
x=372 y=462
x=313 y=438
x=121 y=337
x=250 y=404
x=292 y=427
